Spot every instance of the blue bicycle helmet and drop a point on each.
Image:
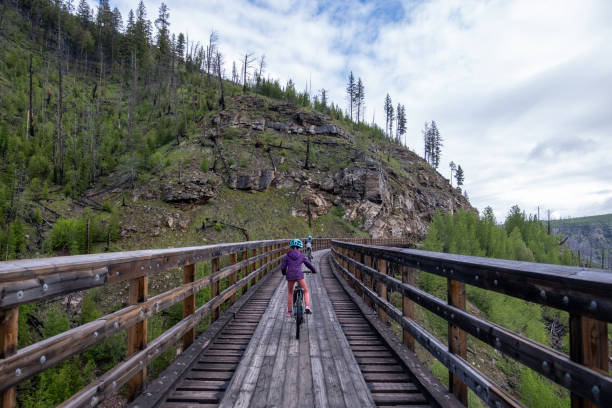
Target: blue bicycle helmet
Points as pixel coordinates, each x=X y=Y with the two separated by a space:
x=310 y=237
x=296 y=243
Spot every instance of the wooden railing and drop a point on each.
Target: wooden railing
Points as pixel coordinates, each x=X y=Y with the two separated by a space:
x=585 y=293
x=35 y=280
x=38 y=279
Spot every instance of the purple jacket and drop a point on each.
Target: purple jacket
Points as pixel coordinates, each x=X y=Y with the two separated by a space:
x=292 y=265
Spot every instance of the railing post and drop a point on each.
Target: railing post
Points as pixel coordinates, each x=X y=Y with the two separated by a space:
x=214 y=291
x=408 y=306
x=245 y=271
x=188 y=304
x=367 y=279
x=356 y=256
x=9 y=319
x=381 y=267
x=137 y=335
x=233 y=278
x=457 y=339
x=589 y=347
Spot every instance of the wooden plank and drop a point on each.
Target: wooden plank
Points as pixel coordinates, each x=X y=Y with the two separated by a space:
x=137 y=335
x=242 y=386
x=275 y=392
x=9 y=319
x=457 y=339
x=111 y=381
x=305 y=394
x=589 y=347
x=188 y=304
x=407 y=305
x=425 y=380
x=354 y=388
x=319 y=390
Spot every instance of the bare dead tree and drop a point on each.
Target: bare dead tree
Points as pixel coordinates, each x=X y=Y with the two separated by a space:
x=262 y=65
x=30 y=118
x=249 y=58
x=211 y=49
x=219 y=67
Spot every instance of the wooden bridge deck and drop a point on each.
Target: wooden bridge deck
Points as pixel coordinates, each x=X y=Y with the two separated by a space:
x=340 y=359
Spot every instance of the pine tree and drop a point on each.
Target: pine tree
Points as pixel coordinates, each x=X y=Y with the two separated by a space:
x=435 y=145
x=350 y=92
x=401 y=121
x=426 y=142
x=84 y=13
x=388 y=109
x=360 y=99
x=180 y=47
x=163 y=35
x=459 y=176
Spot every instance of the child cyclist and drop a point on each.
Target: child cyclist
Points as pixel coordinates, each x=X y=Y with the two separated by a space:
x=292 y=269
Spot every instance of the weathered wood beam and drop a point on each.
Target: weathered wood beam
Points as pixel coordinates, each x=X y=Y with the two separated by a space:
x=8 y=346
x=554 y=365
x=189 y=303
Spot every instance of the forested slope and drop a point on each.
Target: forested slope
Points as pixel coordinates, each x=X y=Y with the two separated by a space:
x=117 y=136
x=589 y=236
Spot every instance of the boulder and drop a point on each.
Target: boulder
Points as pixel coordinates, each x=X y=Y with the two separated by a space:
x=191 y=192
x=258 y=181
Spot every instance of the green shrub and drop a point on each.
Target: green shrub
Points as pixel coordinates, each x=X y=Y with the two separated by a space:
x=231 y=133
x=204 y=165
x=338 y=211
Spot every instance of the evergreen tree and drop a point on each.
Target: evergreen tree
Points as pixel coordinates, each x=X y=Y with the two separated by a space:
x=453 y=168
x=459 y=176
x=388 y=109
x=360 y=100
x=401 y=121
x=350 y=92
x=426 y=142
x=180 y=47
x=84 y=13
x=163 y=35
x=435 y=144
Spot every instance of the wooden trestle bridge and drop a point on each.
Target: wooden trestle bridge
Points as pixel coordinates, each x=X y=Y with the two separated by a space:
x=348 y=354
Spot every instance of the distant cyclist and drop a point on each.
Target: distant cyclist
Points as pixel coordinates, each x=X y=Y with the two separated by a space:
x=309 y=247
x=292 y=269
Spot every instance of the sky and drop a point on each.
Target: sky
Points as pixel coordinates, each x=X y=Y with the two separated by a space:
x=521 y=90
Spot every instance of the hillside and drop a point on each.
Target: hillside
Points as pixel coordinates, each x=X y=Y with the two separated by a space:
x=161 y=153
x=591 y=236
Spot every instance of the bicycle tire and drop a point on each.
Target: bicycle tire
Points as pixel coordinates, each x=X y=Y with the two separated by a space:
x=299 y=316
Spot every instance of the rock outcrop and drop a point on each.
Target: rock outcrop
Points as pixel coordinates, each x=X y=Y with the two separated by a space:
x=389 y=193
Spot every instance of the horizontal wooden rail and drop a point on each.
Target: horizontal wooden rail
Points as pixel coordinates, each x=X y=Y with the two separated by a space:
x=110 y=382
x=44 y=354
x=54 y=276
x=554 y=365
x=582 y=292
x=481 y=385
x=36 y=279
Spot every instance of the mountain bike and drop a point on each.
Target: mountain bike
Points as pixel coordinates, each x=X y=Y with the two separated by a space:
x=298 y=308
x=309 y=254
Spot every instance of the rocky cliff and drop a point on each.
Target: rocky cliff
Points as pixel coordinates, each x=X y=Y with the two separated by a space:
x=256 y=145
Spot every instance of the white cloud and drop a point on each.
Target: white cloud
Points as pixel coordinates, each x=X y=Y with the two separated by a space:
x=521 y=90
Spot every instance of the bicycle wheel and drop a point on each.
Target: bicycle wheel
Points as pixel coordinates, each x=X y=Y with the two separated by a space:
x=299 y=316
